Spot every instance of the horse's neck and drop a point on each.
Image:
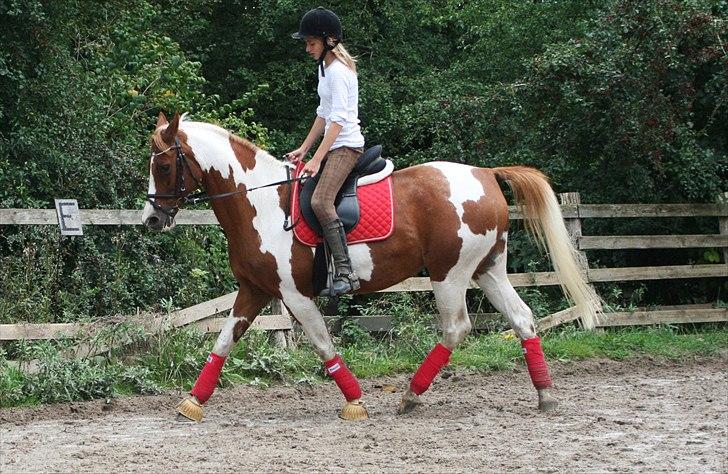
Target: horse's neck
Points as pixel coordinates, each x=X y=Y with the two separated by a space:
x=229 y=162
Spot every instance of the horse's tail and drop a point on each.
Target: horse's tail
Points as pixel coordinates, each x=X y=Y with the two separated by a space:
x=544 y=222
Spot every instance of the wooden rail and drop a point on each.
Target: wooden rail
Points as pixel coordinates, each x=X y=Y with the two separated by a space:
x=204 y=314
x=206 y=217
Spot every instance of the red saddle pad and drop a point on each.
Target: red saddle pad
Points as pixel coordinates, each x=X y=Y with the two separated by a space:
x=376 y=220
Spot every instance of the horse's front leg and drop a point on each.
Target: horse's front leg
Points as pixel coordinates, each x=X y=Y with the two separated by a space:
x=306 y=313
x=248 y=304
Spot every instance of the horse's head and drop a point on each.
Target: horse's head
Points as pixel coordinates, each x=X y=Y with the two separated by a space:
x=173 y=174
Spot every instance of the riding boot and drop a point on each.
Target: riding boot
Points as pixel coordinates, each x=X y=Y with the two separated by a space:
x=345 y=280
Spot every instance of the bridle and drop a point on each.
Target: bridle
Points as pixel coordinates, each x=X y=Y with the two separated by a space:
x=180 y=187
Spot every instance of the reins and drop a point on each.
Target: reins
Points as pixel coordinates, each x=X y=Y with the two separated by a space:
x=202 y=196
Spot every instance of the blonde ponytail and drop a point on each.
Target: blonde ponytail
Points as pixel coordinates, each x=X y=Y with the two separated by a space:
x=343 y=55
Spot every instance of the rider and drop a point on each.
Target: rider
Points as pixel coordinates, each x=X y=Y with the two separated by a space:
x=342 y=145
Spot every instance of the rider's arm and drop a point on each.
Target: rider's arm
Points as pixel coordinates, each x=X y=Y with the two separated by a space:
x=325 y=145
x=317 y=128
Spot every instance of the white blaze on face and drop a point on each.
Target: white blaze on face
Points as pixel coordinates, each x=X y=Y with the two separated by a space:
x=464 y=186
x=148 y=208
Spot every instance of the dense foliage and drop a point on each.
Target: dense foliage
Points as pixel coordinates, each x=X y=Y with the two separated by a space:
x=621 y=100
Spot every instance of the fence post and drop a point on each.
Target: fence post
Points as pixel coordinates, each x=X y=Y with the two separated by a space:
x=723 y=224
x=282 y=338
x=573 y=226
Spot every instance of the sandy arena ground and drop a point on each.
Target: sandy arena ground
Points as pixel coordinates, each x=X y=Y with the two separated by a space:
x=637 y=415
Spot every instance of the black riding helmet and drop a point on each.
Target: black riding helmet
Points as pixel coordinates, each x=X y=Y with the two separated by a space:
x=320 y=23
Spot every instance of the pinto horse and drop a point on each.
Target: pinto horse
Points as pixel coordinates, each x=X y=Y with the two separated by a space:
x=451 y=219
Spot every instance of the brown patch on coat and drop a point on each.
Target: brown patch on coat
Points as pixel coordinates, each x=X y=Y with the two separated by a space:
x=442 y=243
x=491 y=210
x=244 y=152
x=301 y=255
x=240 y=328
x=249 y=301
x=425 y=231
x=488 y=213
x=235 y=215
x=400 y=256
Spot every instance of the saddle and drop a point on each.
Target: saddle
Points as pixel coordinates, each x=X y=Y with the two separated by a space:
x=364 y=204
x=346 y=202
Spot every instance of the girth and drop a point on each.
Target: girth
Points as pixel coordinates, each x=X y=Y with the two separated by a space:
x=346 y=202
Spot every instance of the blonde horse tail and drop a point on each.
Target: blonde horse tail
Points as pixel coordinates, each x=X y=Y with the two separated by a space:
x=544 y=222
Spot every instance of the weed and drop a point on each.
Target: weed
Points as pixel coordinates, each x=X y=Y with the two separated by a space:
x=174 y=358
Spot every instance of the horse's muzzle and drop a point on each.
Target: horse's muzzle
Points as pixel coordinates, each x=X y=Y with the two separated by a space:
x=159 y=222
x=157 y=218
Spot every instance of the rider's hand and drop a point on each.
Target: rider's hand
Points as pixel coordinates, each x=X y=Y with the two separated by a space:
x=312 y=167
x=296 y=155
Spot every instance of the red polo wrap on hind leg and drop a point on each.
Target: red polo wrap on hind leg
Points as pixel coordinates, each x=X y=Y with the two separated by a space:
x=343 y=377
x=536 y=363
x=207 y=380
x=435 y=360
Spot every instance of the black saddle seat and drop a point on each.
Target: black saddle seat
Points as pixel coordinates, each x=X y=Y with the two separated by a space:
x=346 y=202
x=369 y=162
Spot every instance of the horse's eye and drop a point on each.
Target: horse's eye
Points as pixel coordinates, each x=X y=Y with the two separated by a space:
x=164 y=169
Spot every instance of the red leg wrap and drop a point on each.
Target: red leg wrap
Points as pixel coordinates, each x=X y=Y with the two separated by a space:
x=435 y=360
x=536 y=363
x=349 y=386
x=207 y=380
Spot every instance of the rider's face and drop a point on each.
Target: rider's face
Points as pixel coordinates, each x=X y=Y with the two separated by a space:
x=314 y=47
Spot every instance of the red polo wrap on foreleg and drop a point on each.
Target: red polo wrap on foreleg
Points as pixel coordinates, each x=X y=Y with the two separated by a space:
x=536 y=363
x=343 y=377
x=207 y=380
x=435 y=360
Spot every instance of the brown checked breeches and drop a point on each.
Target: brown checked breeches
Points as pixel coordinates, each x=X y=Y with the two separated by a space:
x=339 y=163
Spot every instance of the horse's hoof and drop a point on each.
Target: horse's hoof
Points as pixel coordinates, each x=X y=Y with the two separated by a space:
x=354 y=411
x=409 y=402
x=189 y=409
x=180 y=418
x=546 y=401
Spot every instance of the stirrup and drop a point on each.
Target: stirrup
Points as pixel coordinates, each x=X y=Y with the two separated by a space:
x=341 y=284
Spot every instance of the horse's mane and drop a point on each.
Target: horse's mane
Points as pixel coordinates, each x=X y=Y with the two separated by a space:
x=186 y=125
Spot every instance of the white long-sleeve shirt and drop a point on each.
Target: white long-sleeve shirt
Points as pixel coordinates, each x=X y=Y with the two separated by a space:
x=339 y=94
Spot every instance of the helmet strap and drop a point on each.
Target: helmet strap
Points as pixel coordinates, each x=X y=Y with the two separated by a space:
x=327 y=48
x=321 y=62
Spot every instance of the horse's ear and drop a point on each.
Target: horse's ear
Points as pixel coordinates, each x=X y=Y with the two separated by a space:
x=171 y=131
x=161 y=120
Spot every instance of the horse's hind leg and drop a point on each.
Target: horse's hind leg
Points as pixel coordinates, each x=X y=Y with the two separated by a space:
x=493 y=280
x=455 y=323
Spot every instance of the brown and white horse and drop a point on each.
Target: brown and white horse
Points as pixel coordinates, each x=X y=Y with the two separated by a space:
x=451 y=219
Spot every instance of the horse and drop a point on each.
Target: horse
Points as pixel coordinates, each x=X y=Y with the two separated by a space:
x=451 y=220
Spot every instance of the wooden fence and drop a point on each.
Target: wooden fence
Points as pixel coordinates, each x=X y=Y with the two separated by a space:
x=206 y=316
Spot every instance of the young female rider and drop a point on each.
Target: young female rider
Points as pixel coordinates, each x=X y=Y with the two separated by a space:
x=342 y=145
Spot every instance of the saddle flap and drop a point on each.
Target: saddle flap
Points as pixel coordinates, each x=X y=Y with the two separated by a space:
x=346 y=203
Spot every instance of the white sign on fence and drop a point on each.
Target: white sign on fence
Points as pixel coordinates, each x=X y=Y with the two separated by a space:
x=69 y=217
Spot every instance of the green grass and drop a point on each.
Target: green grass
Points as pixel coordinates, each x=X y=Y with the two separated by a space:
x=173 y=360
